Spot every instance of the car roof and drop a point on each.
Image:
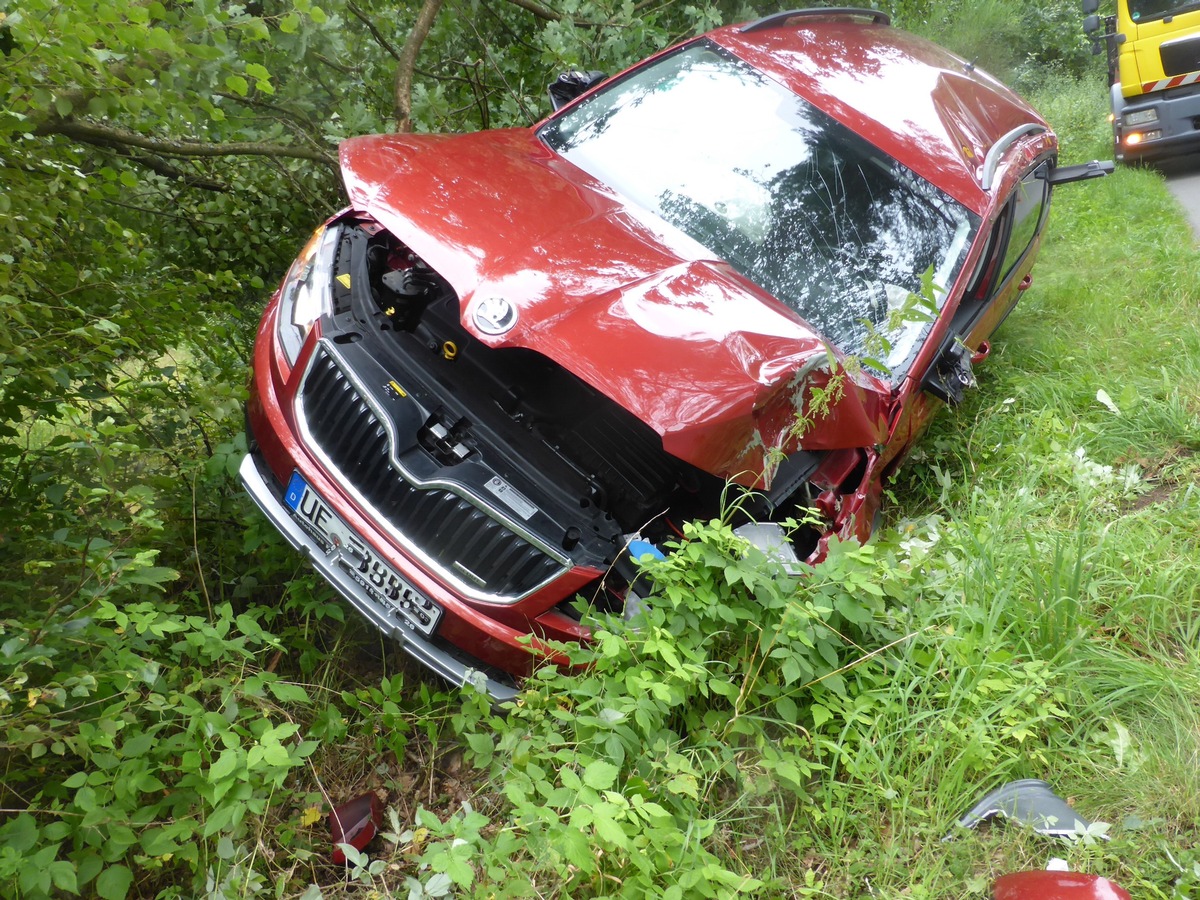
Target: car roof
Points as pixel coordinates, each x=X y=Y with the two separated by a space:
x=919 y=103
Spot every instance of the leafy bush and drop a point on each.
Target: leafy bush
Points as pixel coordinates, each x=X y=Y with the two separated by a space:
x=133 y=730
x=1028 y=45
x=616 y=779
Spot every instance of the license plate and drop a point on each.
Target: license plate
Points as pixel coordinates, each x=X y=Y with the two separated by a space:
x=358 y=559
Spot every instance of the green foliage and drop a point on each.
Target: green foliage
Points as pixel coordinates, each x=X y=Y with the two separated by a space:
x=138 y=732
x=160 y=164
x=174 y=682
x=616 y=778
x=1029 y=45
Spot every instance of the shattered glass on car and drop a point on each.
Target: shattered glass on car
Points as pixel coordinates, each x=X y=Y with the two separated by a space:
x=790 y=198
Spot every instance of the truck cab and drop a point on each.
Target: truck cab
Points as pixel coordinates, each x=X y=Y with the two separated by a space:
x=1153 y=49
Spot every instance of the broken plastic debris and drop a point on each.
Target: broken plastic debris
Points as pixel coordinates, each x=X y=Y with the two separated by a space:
x=772 y=540
x=355 y=823
x=1030 y=802
x=1056 y=886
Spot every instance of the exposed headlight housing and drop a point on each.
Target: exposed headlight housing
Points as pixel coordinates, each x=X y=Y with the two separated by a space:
x=306 y=294
x=1141 y=117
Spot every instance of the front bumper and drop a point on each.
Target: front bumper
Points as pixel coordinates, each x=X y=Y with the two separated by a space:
x=1178 y=124
x=440 y=660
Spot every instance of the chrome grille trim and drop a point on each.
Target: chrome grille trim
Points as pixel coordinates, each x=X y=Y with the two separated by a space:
x=467 y=527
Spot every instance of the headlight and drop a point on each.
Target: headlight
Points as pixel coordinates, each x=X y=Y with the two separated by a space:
x=1141 y=137
x=1141 y=117
x=306 y=293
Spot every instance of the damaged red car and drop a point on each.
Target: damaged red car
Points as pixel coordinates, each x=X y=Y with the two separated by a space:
x=765 y=256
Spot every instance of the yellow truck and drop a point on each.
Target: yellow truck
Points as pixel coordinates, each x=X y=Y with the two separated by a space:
x=1153 y=49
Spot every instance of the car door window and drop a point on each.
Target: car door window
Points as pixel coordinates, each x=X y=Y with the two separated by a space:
x=1028 y=205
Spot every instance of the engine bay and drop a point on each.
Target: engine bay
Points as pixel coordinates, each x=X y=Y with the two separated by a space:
x=598 y=472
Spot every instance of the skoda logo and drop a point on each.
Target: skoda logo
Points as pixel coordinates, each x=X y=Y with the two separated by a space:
x=494 y=315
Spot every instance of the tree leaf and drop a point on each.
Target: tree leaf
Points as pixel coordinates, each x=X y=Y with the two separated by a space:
x=607 y=828
x=600 y=775
x=225 y=765
x=62 y=873
x=311 y=816
x=114 y=882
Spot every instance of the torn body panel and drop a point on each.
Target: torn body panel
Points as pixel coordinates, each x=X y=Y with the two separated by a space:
x=518 y=353
x=694 y=350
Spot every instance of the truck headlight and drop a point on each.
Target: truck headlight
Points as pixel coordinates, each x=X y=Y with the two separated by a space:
x=306 y=292
x=1140 y=117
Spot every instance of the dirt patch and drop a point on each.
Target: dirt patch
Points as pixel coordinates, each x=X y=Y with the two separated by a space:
x=1164 y=475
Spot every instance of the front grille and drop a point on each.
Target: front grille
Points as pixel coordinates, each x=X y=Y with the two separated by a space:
x=1180 y=57
x=453 y=533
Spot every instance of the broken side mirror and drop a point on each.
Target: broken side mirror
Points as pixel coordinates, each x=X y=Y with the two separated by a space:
x=1095 y=169
x=570 y=85
x=951 y=375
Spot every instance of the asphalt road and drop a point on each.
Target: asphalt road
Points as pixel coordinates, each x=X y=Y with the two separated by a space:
x=1183 y=178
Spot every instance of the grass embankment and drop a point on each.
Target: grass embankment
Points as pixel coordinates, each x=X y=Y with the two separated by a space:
x=1063 y=506
x=1041 y=573
x=181 y=704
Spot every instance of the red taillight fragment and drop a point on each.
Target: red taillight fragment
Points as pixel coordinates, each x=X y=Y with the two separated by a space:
x=355 y=823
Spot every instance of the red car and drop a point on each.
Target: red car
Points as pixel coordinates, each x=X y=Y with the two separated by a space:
x=767 y=255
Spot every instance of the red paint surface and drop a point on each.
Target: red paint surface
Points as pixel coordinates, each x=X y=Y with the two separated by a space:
x=619 y=298
x=1056 y=886
x=647 y=316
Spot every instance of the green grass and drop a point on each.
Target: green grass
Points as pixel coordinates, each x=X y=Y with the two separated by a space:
x=1040 y=618
x=1069 y=536
x=1041 y=558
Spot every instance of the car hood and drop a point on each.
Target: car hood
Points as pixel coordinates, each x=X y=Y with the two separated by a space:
x=720 y=369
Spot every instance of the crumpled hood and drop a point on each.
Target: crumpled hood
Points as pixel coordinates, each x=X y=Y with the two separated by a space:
x=612 y=293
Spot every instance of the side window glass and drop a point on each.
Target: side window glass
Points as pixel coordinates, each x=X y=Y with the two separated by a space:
x=984 y=279
x=1028 y=206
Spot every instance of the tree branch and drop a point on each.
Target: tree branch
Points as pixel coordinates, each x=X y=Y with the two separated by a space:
x=375 y=32
x=167 y=171
x=159 y=212
x=302 y=128
x=110 y=135
x=546 y=14
x=407 y=62
x=516 y=95
x=542 y=12
x=480 y=94
x=345 y=70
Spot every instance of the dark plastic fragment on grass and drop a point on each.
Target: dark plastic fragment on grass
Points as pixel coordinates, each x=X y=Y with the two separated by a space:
x=1030 y=802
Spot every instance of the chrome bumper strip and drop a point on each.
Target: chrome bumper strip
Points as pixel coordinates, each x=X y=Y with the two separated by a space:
x=413 y=644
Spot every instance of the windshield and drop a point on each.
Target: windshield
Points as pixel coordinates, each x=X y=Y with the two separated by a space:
x=1145 y=10
x=838 y=231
